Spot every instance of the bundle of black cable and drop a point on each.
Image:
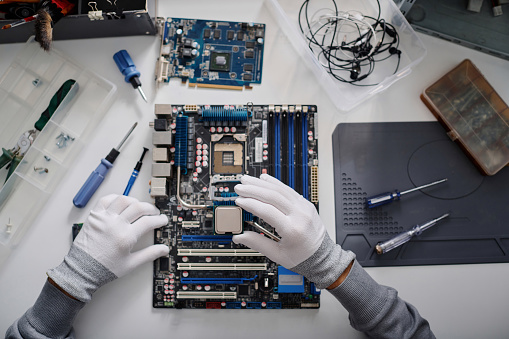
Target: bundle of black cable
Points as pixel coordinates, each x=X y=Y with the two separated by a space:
x=354 y=59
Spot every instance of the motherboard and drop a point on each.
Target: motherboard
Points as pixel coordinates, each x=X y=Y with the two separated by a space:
x=200 y=153
x=217 y=54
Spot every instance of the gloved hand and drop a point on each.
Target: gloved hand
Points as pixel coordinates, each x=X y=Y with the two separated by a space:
x=305 y=247
x=102 y=250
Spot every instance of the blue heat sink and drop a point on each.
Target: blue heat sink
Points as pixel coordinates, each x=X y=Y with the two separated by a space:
x=181 y=143
x=224 y=202
x=229 y=194
x=220 y=113
x=247 y=216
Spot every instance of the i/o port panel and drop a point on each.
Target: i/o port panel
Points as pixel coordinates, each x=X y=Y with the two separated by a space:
x=209 y=148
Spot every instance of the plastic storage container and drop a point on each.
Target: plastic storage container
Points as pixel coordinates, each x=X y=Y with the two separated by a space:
x=344 y=95
x=25 y=91
x=473 y=114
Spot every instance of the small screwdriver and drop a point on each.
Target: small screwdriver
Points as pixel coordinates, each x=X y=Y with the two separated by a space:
x=126 y=65
x=388 y=197
x=134 y=175
x=400 y=239
x=96 y=178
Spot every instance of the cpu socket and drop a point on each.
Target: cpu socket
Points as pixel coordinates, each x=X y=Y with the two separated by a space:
x=228 y=154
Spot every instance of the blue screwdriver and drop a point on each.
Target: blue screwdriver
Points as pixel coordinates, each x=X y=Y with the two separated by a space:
x=388 y=197
x=126 y=65
x=96 y=178
x=136 y=170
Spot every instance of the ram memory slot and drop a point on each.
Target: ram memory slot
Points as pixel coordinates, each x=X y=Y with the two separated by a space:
x=291 y=148
x=298 y=152
x=277 y=145
x=305 y=167
x=284 y=148
x=271 y=128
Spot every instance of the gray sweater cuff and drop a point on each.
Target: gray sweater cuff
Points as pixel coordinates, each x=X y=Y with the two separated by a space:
x=326 y=265
x=362 y=297
x=51 y=316
x=80 y=275
x=377 y=310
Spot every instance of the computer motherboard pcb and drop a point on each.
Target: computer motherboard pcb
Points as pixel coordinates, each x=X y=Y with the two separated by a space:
x=200 y=153
x=217 y=54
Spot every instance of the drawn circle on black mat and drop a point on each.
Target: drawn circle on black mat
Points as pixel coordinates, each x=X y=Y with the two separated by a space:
x=441 y=159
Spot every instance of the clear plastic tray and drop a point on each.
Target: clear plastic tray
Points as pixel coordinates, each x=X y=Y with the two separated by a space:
x=26 y=88
x=346 y=96
x=473 y=114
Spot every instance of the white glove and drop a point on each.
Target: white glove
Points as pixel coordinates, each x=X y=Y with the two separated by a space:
x=102 y=250
x=305 y=246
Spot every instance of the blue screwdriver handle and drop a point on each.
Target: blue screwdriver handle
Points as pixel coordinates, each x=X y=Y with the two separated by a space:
x=93 y=182
x=131 y=182
x=126 y=65
x=382 y=199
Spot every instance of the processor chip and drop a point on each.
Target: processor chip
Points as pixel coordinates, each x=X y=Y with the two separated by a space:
x=228 y=220
x=220 y=62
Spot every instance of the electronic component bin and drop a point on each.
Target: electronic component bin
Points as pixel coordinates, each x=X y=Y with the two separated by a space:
x=346 y=96
x=25 y=91
x=473 y=114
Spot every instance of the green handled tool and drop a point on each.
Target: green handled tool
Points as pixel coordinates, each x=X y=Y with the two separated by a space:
x=15 y=155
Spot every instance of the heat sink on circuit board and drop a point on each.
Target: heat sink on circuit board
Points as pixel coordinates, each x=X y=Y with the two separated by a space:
x=209 y=148
x=217 y=54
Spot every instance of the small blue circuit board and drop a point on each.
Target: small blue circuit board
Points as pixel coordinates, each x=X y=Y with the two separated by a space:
x=217 y=54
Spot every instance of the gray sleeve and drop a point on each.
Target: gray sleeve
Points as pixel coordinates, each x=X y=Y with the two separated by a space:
x=51 y=316
x=377 y=310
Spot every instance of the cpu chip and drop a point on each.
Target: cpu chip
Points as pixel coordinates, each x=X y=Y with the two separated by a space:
x=227 y=220
x=220 y=62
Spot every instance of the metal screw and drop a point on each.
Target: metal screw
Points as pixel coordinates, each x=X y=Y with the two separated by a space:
x=41 y=170
x=62 y=140
x=8 y=227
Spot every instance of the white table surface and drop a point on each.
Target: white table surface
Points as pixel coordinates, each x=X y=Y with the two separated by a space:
x=460 y=301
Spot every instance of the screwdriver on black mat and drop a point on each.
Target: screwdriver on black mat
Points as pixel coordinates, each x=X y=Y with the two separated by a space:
x=96 y=178
x=388 y=197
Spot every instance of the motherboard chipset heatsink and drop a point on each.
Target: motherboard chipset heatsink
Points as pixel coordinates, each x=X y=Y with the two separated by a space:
x=200 y=153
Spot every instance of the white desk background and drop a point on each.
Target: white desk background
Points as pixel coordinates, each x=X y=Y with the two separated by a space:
x=460 y=301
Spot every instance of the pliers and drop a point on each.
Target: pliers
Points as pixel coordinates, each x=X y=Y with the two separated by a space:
x=14 y=155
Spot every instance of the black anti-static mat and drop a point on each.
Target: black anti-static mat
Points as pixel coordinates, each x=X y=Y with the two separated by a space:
x=379 y=157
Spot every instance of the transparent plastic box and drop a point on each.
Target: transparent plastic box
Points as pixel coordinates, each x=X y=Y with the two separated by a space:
x=346 y=96
x=26 y=88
